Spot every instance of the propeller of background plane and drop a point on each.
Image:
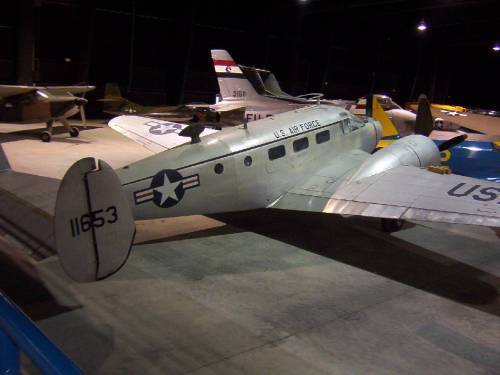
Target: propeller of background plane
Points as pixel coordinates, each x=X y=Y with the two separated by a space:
x=424 y=124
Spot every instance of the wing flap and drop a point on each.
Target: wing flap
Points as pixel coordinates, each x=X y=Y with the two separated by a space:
x=155 y=135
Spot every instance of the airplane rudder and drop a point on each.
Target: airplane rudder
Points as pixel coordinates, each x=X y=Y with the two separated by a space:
x=233 y=83
x=112 y=90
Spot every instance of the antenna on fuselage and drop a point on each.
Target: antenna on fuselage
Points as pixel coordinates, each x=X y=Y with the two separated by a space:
x=193 y=131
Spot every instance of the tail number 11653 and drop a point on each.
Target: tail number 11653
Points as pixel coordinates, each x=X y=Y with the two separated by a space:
x=93 y=219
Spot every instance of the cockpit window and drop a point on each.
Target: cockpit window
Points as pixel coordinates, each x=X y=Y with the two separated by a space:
x=356 y=123
x=346 y=127
x=386 y=103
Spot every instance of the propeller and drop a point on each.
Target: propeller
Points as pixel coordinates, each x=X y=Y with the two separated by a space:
x=424 y=123
x=452 y=142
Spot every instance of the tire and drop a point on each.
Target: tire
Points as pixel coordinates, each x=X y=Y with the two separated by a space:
x=46 y=136
x=391 y=225
x=74 y=132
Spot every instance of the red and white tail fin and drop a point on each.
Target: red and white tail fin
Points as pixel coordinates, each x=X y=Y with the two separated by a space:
x=233 y=84
x=359 y=109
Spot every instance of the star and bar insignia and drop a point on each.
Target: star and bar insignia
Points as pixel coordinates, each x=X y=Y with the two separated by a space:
x=167 y=188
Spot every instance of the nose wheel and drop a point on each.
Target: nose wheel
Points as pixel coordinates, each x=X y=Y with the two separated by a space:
x=391 y=225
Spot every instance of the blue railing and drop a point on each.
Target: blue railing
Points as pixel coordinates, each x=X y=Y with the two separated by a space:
x=19 y=333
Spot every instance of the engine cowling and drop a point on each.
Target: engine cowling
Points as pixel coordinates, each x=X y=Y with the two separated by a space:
x=414 y=150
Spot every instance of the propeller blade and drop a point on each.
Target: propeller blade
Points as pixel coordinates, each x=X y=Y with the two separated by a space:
x=424 y=123
x=452 y=142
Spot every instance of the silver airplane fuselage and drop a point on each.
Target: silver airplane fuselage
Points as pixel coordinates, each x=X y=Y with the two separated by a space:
x=244 y=168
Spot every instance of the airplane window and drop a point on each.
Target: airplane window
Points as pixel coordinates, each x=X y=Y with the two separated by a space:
x=344 y=130
x=219 y=168
x=323 y=136
x=276 y=152
x=300 y=144
x=357 y=122
x=248 y=161
x=353 y=124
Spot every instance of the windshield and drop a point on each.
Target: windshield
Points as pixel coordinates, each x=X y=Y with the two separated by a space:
x=387 y=103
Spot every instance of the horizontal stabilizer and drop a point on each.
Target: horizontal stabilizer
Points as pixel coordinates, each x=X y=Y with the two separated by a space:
x=94 y=226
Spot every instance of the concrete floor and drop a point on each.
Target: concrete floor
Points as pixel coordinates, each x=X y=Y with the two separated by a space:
x=261 y=292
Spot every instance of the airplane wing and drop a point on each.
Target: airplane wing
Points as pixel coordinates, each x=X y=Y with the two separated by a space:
x=223 y=107
x=11 y=90
x=155 y=135
x=400 y=193
x=61 y=90
x=479 y=123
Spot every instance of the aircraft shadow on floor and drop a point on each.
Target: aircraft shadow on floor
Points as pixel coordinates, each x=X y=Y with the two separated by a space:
x=23 y=284
x=343 y=240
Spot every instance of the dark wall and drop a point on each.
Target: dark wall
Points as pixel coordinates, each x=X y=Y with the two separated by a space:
x=344 y=48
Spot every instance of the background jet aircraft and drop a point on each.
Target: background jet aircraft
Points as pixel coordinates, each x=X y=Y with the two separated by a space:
x=115 y=104
x=256 y=91
x=315 y=159
x=33 y=104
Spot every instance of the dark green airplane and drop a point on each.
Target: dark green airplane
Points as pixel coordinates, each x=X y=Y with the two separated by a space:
x=49 y=104
x=115 y=104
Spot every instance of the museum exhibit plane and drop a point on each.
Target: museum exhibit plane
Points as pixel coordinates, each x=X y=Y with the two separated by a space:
x=49 y=104
x=403 y=119
x=316 y=158
x=477 y=156
x=115 y=104
x=470 y=121
x=256 y=91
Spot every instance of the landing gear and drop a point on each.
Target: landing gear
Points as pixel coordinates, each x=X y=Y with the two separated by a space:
x=391 y=225
x=74 y=132
x=46 y=136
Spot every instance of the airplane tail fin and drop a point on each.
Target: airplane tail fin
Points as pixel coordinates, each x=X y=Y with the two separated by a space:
x=93 y=224
x=370 y=107
x=112 y=91
x=113 y=100
x=424 y=123
x=233 y=84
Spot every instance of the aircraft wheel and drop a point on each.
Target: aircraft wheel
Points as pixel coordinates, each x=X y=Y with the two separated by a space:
x=74 y=132
x=391 y=225
x=46 y=136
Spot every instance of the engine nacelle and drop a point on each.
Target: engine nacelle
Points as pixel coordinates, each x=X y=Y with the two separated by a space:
x=415 y=150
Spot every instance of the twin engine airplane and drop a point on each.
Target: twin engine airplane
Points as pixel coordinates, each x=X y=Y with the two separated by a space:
x=32 y=104
x=317 y=158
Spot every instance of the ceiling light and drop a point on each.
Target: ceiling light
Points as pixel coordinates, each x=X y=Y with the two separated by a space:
x=422 y=26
